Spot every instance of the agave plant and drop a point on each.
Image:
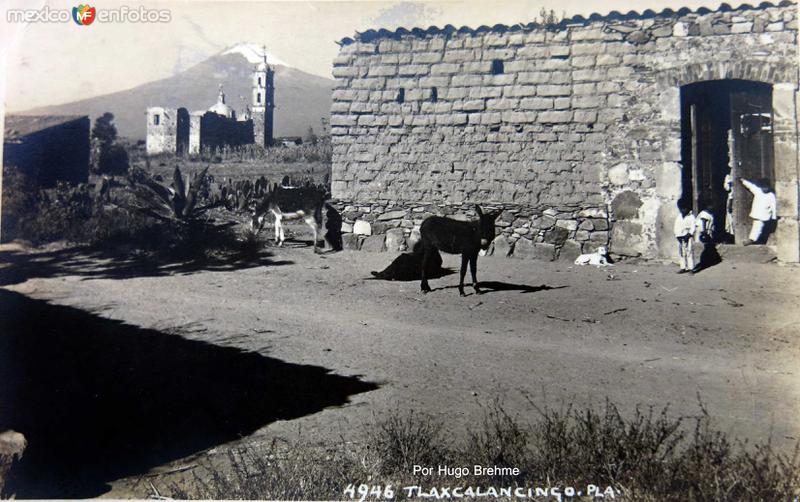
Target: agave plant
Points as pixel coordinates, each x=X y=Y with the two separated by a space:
x=179 y=201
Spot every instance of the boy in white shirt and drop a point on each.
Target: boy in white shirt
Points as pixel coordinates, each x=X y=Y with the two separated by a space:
x=704 y=226
x=764 y=207
x=684 y=232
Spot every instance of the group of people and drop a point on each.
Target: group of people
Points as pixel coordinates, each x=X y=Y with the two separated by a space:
x=690 y=228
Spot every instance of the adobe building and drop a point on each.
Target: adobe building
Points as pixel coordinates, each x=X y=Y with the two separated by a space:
x=586 y=132
x=48 y=148
x=177 y=131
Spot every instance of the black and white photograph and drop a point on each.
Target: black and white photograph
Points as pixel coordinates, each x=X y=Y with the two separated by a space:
x=378 y=250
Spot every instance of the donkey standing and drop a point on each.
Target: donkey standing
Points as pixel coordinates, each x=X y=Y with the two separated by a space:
x=466 y=238
x=292 y=203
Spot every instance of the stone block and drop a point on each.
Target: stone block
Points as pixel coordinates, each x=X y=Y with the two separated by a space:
x=536 y=103
x=392 y=215
x=557 y=235
x=786 y=194
x=426 y=57
x=362 y=227
x=351 y=242
x=783 y=103
x=395 y=240
x=534 y=77
x=599 y=224
x=555 y=117
x=585 y=116
x=569 y=251
x=501 y=246
x=526 y=249
x=374 y=243
x=785 y=148
x=618 y=175
x=787 y=236
x=553 y=90
x=380 y=227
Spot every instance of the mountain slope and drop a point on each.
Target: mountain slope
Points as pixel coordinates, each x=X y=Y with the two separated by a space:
x=301 y=99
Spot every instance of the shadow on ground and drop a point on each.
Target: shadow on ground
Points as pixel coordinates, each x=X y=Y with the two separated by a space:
x=490 y=286
x=98 y=399
x=18 y=266
x=494 y=286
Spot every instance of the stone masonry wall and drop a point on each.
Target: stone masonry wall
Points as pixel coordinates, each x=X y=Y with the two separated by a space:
x=573 y=129
x=162 y=138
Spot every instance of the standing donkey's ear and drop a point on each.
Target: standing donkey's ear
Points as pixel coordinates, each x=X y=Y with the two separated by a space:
x=478 y=210
x=496 y=213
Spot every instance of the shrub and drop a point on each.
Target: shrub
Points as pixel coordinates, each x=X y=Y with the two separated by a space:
x=18 y=199
x=649 y=456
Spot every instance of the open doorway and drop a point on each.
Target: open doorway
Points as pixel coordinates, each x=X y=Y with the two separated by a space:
x=182 y=132
x=726 y=134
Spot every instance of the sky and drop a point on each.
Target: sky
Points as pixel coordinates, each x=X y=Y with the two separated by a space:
x=51 y=63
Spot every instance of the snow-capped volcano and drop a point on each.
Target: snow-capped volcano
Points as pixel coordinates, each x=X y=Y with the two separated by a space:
x=254 y=54
x=301 y=99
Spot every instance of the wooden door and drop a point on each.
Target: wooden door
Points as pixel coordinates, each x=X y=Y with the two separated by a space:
x=751 y=127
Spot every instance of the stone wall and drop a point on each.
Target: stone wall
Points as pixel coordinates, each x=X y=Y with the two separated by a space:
x=524 y=232
x=162 y=137
x=577 y=123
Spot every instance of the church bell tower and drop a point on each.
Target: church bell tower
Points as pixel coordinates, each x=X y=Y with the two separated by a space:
x=263 y=102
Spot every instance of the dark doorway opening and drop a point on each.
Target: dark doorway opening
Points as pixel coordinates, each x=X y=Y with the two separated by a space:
x=726 y=134
x=183 y=131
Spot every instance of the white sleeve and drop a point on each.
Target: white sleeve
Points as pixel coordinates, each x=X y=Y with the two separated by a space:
x=751 y=186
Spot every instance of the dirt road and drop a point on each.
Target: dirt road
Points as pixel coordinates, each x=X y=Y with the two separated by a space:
x=551 y=333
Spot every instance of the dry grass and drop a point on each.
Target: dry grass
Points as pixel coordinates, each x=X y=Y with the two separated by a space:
x=648 y=456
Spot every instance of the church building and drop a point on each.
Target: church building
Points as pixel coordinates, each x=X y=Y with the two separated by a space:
x=178 y=131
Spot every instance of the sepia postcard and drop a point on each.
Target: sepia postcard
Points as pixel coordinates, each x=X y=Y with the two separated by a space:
x=381 y=250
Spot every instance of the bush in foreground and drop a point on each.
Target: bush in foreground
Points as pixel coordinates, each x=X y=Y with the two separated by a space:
x=650 y=456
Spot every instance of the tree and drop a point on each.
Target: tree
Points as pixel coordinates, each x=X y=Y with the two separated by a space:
x=108 y=157
x=311 y=138
x=104 y=130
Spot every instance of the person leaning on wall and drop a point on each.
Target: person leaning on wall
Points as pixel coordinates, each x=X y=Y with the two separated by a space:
x=763 y=210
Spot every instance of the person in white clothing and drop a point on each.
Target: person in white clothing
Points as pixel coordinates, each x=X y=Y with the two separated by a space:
x=705 y=233
x=730 y=225
x=684 y=232
x=764 y=208
x=704 y=226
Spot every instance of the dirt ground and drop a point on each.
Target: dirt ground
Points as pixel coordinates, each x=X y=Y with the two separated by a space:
x=547 y=333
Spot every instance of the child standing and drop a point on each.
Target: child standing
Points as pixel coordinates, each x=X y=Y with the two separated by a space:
x=764 y=207
x=730 y=225
x=704 y=225
x=684 y=232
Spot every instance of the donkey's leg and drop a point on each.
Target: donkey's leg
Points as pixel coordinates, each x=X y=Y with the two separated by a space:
x=280 y=236
x=463 y=272
x=426 y=252
x=473 y=268
x=312 y=222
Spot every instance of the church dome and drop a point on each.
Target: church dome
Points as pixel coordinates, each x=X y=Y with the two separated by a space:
x=220 y=108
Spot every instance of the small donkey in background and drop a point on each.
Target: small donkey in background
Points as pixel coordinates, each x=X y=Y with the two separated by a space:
x=466 y=238
x=291 y=203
